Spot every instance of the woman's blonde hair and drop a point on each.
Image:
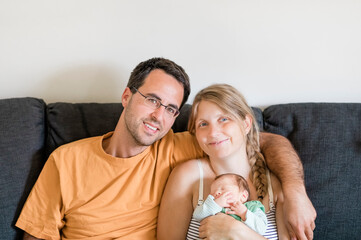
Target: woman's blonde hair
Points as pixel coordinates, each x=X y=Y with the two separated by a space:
x=231 y=101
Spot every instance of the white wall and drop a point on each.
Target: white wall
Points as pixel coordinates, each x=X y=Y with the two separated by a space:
x=272 y=51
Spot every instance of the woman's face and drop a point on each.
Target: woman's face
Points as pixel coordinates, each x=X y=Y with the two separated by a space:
x=218 y=133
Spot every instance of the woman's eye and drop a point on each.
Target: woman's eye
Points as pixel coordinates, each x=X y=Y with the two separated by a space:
x=202 y=124
x=223 y=119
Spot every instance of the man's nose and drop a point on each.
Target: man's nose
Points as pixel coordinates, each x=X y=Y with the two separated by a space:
x=158 y=113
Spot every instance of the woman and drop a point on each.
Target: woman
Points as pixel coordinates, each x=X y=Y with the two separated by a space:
x=226 y=130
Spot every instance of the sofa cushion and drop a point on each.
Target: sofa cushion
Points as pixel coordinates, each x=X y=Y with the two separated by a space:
x=68 y=122
x=22 y=138
x=259 y=117
x=327 y=137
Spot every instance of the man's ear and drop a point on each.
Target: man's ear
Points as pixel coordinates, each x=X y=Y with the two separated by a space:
x=126 y=96
x=247 y=123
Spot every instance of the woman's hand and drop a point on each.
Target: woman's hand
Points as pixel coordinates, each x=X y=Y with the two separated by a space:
x=222 y=226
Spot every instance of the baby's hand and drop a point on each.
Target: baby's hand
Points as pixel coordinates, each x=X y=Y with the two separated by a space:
x=223 y=199
x=239 y=209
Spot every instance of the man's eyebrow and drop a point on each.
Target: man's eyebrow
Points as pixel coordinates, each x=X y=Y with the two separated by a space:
x=157 y=97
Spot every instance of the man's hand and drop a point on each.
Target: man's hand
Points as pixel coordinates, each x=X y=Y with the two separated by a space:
x=222 y=226
x=299 y=215
x=282 y=159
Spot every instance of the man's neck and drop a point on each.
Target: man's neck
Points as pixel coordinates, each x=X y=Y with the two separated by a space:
x=121 y=145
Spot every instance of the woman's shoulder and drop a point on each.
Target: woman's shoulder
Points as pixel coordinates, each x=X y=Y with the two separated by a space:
x=185 y=178
x=189 y=168
x=193 y=163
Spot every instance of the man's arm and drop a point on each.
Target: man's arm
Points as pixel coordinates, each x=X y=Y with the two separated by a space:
x=42 y=210
x=27 y=236
x=284 y=162
x=282 y=159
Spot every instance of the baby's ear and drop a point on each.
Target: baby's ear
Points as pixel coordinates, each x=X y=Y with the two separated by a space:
x=244 y=196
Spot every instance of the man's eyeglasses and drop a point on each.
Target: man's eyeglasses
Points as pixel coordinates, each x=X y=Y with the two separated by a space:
x=155 y=103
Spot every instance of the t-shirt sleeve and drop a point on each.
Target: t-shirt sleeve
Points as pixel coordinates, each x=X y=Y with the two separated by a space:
x=186 y=147
x=42 y=214
x=257 y=221
x=256 y=217
x=208 y=208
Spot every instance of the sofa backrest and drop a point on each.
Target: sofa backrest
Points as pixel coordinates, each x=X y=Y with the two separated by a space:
x=22 y=148
x=69 y=122
x=327 y=137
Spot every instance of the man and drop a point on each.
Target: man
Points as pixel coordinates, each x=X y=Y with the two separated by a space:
x=109 y=187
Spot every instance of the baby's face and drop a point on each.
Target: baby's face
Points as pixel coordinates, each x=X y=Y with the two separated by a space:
x=223 y=185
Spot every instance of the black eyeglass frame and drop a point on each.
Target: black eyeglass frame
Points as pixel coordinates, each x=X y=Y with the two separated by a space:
x=158 y=104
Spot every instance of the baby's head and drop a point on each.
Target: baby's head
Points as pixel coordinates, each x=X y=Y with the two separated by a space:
x=231 y=182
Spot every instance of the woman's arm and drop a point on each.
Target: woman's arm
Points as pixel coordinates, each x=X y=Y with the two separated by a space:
x=278 y=199
x=176 y=207
x=281 y=226
x=283 y=160
x=223 y=226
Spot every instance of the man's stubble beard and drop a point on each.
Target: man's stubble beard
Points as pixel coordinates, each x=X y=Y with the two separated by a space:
x=133 y=125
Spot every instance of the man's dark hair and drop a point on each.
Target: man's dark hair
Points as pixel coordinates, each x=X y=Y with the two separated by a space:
x=142 y=70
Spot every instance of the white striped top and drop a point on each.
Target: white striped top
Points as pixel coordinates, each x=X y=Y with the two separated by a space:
x=271 y=231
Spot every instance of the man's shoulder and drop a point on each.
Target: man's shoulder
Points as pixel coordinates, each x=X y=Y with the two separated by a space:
x=77 y=153
x=181 y=145
x=178 y=136
x=79 y=145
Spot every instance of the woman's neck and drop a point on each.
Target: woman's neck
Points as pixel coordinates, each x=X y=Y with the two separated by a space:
x=237 y=163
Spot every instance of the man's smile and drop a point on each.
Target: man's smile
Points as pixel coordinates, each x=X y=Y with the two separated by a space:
x=153 y=128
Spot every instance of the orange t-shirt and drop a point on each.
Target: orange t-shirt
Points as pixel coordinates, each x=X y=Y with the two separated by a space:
x=82 y=192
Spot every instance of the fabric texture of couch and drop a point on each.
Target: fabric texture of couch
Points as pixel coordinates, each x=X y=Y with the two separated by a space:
x=327 y=137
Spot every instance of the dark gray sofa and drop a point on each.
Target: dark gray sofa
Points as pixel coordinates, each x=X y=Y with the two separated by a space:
x=327 y=137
